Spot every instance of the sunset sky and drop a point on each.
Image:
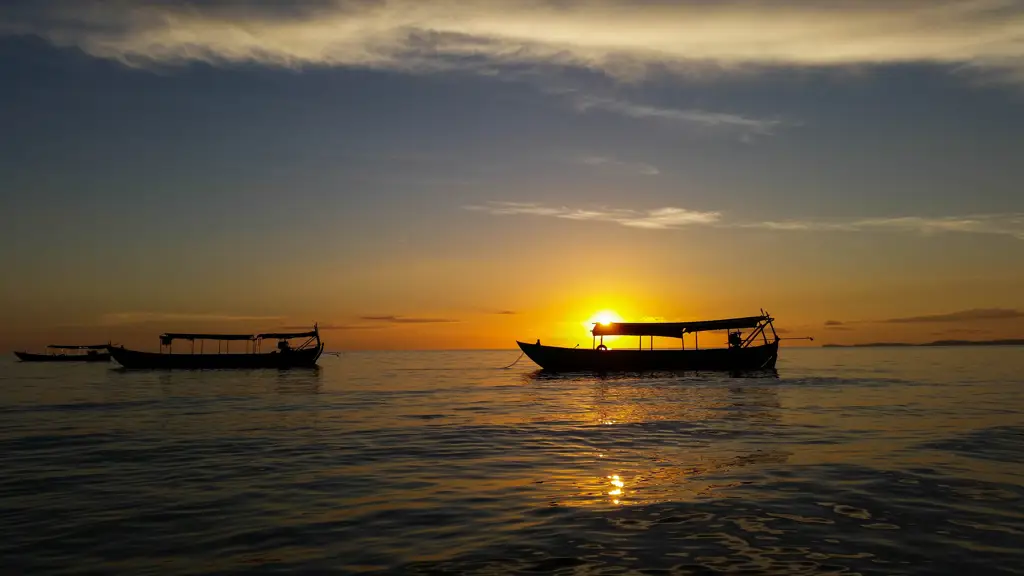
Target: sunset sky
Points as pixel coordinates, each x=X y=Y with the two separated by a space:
x=416 y=174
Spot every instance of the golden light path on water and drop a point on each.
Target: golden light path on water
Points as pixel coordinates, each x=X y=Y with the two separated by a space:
x=616 y=492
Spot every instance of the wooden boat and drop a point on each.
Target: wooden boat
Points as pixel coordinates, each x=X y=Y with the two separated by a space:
x=742 y=353
x=60 y=353
x=285 y=356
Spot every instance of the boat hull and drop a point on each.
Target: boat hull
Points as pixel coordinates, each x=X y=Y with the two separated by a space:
x=133 y=359
x=558 y=359
x=28 y=357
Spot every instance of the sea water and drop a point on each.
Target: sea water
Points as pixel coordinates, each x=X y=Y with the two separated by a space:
x=847 y=461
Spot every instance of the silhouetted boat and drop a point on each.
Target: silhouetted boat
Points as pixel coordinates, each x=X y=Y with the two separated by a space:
x=59 y=353
x=284 y=356
x=742 y=354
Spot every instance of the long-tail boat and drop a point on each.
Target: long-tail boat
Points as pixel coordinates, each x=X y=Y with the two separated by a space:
x=285 y=356
x=755 y=351
x=64 y=353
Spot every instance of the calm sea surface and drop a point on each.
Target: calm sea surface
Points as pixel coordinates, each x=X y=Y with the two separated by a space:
x=866 y=461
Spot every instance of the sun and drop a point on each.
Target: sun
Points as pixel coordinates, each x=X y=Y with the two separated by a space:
x=603 y=317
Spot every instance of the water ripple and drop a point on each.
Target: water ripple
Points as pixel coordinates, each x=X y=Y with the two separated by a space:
x=843 y=462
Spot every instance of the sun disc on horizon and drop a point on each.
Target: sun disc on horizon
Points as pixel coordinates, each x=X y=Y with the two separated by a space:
x=604 y=317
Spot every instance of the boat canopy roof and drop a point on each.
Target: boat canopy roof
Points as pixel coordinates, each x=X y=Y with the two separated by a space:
x=287 y=335
x=168 y=337
x=675 y=329
x=177 y=336
x=78 y=346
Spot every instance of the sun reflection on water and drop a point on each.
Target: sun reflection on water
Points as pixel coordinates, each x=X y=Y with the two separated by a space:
x=670 y=438
x=616 y=481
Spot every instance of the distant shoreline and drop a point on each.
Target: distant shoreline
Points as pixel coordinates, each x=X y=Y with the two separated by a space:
x=1005 y=342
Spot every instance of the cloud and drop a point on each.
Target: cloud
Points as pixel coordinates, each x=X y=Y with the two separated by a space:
x=1004 y=224
x=123 y=318
x=637 y=167
x=833 y=323
x=379 y=322
x=407 y=320
x=672 y=217
x=624 y=38
x=336 y=327
x=953 y=331
x=694 y=117
x=657 y=219
x=962 y=316
x=506 y=312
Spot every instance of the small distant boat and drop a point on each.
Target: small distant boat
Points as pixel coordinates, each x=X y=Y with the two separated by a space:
x=66 y=353
x=285 y=356
x=756 y=351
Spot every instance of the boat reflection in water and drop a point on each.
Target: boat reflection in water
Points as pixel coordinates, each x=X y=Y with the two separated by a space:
x=305 y=355
x=756 y=351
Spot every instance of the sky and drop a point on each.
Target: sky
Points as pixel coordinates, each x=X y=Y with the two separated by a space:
x=419 y=175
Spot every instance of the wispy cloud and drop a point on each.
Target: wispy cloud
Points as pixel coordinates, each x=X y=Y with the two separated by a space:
x=407 y=319
x=124 y=318
x=660 y=218
x=958 y=331
x=975 y=314
x=620 y=37
x=336 y=327
x=606 y=161
x=960 y=316
x=506 y=312
x=672 y=217
x=378 y=322
x=1005 y=224
x=692 y=117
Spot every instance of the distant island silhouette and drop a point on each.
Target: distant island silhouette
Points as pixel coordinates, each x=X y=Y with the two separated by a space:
x=1004 y=342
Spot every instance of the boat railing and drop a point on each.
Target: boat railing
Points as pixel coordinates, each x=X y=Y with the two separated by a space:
x=64 y=349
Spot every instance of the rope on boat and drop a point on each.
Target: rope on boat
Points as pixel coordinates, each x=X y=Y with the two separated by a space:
x=514 y=363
